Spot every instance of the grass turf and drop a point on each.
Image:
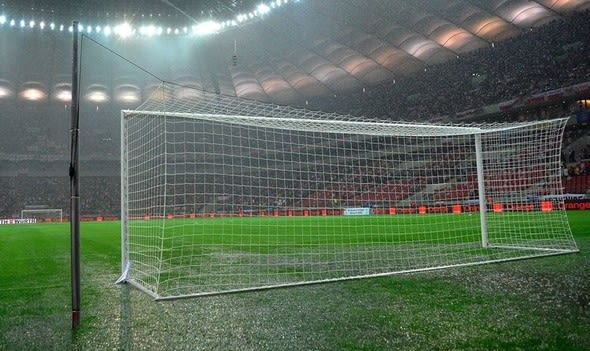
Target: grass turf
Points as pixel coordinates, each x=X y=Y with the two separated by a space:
x=208 y=255
x=533 y=304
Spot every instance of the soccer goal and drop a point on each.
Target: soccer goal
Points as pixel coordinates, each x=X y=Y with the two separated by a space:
x=224 y=195
x=43 y=214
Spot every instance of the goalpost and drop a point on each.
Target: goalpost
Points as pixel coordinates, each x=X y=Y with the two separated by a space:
x=222 y=195
x=43 y=214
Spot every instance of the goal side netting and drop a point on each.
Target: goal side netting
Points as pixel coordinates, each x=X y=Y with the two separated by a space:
x=221 y=195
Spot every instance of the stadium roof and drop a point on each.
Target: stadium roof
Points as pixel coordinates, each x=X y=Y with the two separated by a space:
x=311 y=48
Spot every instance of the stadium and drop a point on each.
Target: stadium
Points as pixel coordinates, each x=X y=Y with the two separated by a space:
x=295 y=175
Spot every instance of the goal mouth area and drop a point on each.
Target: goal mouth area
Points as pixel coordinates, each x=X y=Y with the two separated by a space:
x=295 y=266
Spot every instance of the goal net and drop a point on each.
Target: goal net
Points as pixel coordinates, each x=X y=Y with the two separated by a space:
x=43 y=214
x=223 y=195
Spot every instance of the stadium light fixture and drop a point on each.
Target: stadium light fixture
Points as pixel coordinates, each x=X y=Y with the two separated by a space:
x=5 y=92
x=206 y=28
x=64 y=96
x=33 y=94
x=128 y=97
x=263 y=9
x=123 y=30
x=98 y=97
x=148 y=31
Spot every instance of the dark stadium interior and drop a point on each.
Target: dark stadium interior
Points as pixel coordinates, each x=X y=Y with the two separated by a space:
x=423 y=61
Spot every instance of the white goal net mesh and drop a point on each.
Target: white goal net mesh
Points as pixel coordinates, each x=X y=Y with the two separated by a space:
x=223 y=195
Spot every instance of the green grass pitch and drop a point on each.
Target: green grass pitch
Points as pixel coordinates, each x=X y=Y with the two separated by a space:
x=539 y=304
x=205 y=256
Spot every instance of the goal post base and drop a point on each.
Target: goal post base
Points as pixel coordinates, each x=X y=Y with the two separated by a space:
x=125 y=274
x=75 y=319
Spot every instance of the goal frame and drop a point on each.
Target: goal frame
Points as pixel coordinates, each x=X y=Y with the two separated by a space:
x=371 y=128
x=30 y=211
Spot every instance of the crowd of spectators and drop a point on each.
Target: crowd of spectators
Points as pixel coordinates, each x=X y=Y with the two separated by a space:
x=554 y=56
x=541 y=59
x=375 y=170
x=100 y=195
x=578 y=164
x=576 y=152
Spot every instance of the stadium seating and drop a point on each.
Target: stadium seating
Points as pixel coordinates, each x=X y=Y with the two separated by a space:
x=552 y=57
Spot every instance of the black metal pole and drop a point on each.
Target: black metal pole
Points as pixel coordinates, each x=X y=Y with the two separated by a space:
x=75 y=185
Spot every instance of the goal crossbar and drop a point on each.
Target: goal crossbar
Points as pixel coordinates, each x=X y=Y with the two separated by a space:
x=343 y=126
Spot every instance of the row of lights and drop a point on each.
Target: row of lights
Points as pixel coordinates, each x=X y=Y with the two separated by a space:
x=64 y=94
x=125 y=30
x=127 y=94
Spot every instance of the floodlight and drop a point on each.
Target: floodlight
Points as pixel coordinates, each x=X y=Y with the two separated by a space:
x=64 y=95
x=150 y=30
x=128 y=95
x=33 y=94
x=124 y=30
x=205 y=28
x=98 y=96
x=5 y=92
x=263 y=9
